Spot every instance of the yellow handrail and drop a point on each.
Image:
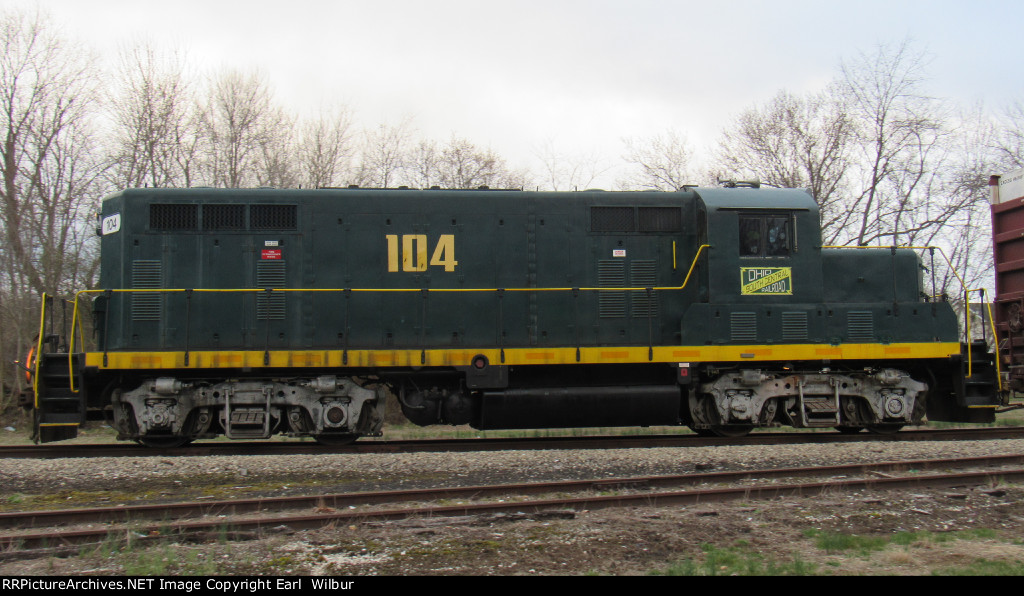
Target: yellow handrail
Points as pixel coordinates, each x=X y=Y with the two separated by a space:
x=967 y=303
x=39 y=352
x=75 y=318
x=995 y=337
x=77 y=324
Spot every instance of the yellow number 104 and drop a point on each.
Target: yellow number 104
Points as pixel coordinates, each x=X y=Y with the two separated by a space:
x=413 y=253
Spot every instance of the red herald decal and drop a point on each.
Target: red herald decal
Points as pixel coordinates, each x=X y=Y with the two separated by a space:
x=271 y=254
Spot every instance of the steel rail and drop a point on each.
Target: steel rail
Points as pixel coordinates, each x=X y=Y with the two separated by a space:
x=167 y=511
x=11 y=543
x=224 y=448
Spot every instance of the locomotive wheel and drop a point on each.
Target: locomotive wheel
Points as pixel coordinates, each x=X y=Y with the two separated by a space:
x=702 y=410
x=884 y=429
x=164 y=442
x=336 y=440
x=849 y=430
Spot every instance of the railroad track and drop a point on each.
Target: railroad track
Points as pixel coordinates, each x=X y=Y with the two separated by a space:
x=22 y=534
x=498 y=444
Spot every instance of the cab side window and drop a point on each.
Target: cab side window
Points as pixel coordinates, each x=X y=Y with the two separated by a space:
x=765 y=236
x=750 y=237
x=777 y=238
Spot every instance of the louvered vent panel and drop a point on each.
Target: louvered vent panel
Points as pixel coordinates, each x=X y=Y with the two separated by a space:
x=643 y=274
x=743 y=326
x=146 y=306
x=273 y=217
x=611 y=274
x=660 y=219
x=223 y=217
x=173 y=217
x=270 y=274
x=860 y=325
x=612 y=219
x=794 y=325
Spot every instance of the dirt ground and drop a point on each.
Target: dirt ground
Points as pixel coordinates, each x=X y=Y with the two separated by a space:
x=972 y=531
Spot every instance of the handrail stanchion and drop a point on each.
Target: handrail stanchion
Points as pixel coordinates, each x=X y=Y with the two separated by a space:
x=39 y=351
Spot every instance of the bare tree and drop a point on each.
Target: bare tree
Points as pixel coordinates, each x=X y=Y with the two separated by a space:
x=383 y=155
x=872 y=148
x=464 y=165
x=563 y=171
x=423 y=165
x=661 y=162
x=246 y=134
x=793 y=142
x=325 y=148
x=897 y=127
x=49 y=174
x=277 y=166
x=459 y=164
x=155 y=121
x=885 y=161
x=1008 y=140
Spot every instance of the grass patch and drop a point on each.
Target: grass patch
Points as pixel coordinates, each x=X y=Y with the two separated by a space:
x=985 y=567
x=737 y=560
x=837 y=542
x=169 y=560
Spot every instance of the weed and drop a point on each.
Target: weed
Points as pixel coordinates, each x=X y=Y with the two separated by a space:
x=985 y=567
x=169 y=560
x=736 y=561
x=834 y=542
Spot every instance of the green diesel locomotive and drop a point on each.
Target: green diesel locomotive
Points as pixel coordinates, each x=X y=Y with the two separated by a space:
x=253 y=312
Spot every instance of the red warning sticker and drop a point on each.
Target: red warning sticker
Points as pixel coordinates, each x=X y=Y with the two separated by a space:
x=271 y=254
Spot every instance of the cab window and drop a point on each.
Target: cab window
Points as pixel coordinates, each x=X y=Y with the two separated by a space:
x=765 y=236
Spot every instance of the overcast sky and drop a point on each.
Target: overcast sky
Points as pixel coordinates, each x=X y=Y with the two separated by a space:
x=512 y=75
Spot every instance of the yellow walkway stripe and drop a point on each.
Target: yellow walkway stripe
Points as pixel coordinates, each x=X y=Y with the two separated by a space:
x=516 y=356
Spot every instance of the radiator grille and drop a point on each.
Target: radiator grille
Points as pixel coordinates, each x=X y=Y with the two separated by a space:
x=612 y=219
x=223 y=217
x=173 y=217
x=794 y=325
x=743 y=326
x=273 y=217
x=660 y=219
x=270 y=274
x=860 y=325
x=146 y=306
x=611 y=274
x=643 y=274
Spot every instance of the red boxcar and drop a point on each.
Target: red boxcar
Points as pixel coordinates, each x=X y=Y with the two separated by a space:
x=1008 y=249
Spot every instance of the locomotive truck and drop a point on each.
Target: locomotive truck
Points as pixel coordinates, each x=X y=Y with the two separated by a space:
x=254 y=312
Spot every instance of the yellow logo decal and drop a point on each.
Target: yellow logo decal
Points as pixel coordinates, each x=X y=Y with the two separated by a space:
x=766 y=280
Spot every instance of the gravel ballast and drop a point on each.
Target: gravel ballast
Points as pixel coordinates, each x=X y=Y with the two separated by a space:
x=420 y=470
x=949 y=531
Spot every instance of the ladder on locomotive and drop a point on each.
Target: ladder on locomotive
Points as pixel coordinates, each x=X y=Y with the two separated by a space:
x=59 y=393
x=978 y=384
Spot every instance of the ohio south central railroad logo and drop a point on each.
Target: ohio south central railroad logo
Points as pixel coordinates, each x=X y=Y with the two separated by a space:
x=766 y=280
